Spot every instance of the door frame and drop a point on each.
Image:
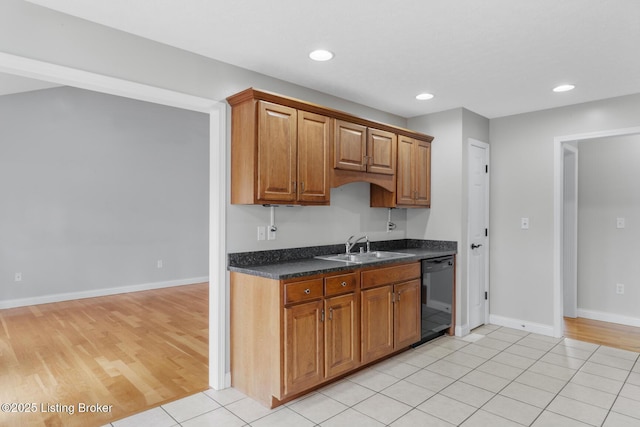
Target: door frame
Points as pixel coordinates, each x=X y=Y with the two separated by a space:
x=570 y=220
x=467 y=249
x=41 y=70
x=558 y=202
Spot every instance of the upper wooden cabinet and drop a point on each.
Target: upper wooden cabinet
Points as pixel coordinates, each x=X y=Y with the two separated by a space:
x=314 y=146
x=358 y=148
x=350 y=148
x=279 y=155
x=413 y=180
x=288 y=151
x=381 y=151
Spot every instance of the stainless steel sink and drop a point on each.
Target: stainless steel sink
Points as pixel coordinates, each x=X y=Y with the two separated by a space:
x=365 y=257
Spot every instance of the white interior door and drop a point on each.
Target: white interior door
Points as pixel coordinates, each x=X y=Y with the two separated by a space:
x=478 y=233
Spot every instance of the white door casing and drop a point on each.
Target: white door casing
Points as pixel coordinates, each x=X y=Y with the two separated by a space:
x=477 y=250
x=559 y=142
x=570 y=231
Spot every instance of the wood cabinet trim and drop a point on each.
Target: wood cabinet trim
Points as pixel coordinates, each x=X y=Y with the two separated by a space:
x=305 y=290
x=389 y=275
x=340 y=284
x=252 y=93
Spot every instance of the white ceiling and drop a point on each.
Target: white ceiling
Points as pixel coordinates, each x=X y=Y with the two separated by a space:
x=494 y=57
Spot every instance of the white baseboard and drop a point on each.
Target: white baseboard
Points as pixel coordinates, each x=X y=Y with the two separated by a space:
x=462 y=331
x=45 y=299
x=523 y=325
x=609 y=317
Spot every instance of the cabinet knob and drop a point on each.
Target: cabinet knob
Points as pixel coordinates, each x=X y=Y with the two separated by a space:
x=343 y=284
x=307 y=291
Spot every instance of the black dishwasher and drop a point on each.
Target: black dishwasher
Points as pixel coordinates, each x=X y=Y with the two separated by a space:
x=436 y=297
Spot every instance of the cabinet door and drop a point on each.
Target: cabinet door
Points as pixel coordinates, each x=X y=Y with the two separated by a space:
x=341 y=334
x=422 y=171
x=381 y=151
x=377 y=323
x=350 y=146
x=407 y=314
x=405 y=191
x=314 y=138
x=303 y=346
x=277 y=157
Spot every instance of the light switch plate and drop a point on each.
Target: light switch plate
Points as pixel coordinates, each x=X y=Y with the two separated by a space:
x=262 y=232
x=524 y=223
x=619 y=222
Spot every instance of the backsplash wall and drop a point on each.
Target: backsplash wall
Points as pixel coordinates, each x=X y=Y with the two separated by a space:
x=298 y=226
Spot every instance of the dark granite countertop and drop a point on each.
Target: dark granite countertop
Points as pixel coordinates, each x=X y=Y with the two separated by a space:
x=298 y=262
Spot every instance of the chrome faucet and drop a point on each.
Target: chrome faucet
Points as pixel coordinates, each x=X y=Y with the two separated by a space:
x=349 y=245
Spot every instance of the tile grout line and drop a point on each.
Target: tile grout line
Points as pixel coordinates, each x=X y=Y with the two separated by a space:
x=510 y=381
x=457 y=350
x=619 y=391
x=523 y=372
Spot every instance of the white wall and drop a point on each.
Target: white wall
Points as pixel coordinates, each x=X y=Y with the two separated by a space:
x=608 y=189
x=522 y=156
x=442 y=221
x=76 y=43
x=447 y=217
x=96 y=189
x=348 y=214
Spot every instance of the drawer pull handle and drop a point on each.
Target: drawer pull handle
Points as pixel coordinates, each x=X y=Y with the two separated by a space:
x=307 y=291
x=343 y=284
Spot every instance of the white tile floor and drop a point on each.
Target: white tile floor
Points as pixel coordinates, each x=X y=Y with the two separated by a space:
x=494 y=377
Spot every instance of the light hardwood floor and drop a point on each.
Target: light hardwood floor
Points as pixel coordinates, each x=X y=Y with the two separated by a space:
x=132 y=351
x=603 y=333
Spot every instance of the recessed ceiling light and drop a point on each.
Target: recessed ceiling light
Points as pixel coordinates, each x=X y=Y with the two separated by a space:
x=321 y=55
x=424 y=96
x=563 y=88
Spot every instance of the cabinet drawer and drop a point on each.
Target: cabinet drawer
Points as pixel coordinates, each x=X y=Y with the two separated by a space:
x=303 y=291
x=342 y=283
x=389 y=275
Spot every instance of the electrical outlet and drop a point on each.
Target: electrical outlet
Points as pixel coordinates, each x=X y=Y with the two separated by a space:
x=620 y=289
x=619 y=222
x=524 y=223
x=262 y=232
x=159 y=263
x=17 y=277
x=271 y=234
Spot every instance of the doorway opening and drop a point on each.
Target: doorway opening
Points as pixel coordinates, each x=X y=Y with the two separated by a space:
x=566 y=221
x=25 y=67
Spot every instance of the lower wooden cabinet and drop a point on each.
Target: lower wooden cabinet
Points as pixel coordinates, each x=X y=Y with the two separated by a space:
x=377 y=323
x=303 y=346
x=390 y=319
x=406 y=314
x=341 y=335
x=290 y=336
x=321 y=341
